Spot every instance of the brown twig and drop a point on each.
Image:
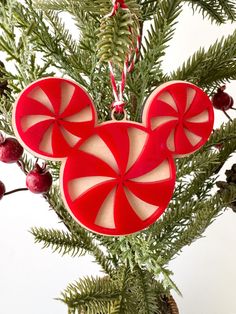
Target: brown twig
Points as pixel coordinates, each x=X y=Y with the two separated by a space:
x=16 y=190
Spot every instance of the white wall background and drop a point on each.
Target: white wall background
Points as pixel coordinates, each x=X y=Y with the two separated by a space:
x=30 y=278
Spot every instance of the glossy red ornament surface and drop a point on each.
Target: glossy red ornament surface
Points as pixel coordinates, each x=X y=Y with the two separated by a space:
x=52 y=115
x=117 y=177
x=118 y=181
x=181 y=115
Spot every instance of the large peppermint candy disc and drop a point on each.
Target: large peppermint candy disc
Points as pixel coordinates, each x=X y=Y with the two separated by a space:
x=118 y=181
x=52 y=115
x=181 y=116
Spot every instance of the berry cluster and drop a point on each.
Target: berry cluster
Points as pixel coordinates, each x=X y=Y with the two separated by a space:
x=222 y=101
x=38 y=180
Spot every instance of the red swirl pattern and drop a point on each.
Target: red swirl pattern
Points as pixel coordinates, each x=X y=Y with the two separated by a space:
x=52 y=115
x=181 y=114
x=118 y=182
x=117 y=177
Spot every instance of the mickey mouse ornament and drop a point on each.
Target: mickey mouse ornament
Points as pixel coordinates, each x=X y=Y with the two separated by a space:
x=117 y=177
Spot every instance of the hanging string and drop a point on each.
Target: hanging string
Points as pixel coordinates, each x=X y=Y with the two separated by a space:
x=118 y=88
x=116 y=5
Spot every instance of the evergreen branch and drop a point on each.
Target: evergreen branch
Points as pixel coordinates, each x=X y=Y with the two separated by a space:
x=60 y=241
x=190 y=196
x=64 y=36
x=5 y=115
x=127 y=302
x=187 y=166
x=21 y=50
x=220 y=56
x=47 y=42
x=229 y=8
x=148 y=72
x=147 y=303
x=74 y=52
x=84 y=236
x=206 y=214
x=103 y=7
x=149 y=8
x=217 y=10
x=91 y=295
x=55 y=5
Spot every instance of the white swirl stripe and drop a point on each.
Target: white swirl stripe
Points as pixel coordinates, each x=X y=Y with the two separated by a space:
x=105 y=217
x=28 y=121
x=39 y=95
x=98 y=148
x=137 y=140
x=46 y=142
x=168 y=99
x=143 y=209
x=77 y=187
x=200 y=118
x=162 y=172
x=157 y=121
x=82 y=116
x=71 y=139
x=191 y=93
x=67 y=92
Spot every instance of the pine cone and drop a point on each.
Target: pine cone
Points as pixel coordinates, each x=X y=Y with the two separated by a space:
x=230 y=180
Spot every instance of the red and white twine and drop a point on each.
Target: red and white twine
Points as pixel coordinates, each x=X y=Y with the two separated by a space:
x=118 y=88
x=116 y=5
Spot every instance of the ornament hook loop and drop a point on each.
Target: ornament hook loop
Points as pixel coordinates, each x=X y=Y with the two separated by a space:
x=123 y=112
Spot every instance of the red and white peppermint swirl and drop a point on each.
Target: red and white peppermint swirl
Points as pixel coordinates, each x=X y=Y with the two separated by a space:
x=118 y=182
x=181 y=115
x=52 y=115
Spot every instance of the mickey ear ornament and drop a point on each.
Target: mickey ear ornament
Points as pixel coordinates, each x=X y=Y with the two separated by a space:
x=116 y=177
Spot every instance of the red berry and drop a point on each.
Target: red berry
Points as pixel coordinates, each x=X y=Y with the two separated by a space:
x=2 y=190
x=10 y=150
x=222 y=100
x=39 y=180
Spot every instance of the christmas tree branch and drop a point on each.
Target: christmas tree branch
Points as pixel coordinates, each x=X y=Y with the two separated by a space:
x=205 y=215
x=91 y=295
x=148 y=73
x=76 y=230
x=218 y=11
x=194 y=188
x=220 y=57
x=148 y=295
x=60 y=241
x=127 y=302
x=49 y=44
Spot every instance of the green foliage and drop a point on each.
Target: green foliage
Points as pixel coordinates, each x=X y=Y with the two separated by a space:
x=117 y=36
x=148 y=72
x=91 y=295
x=145 y=283
x=220 y=56
x=60 y=241
x=217 y=10
x=86 y=238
